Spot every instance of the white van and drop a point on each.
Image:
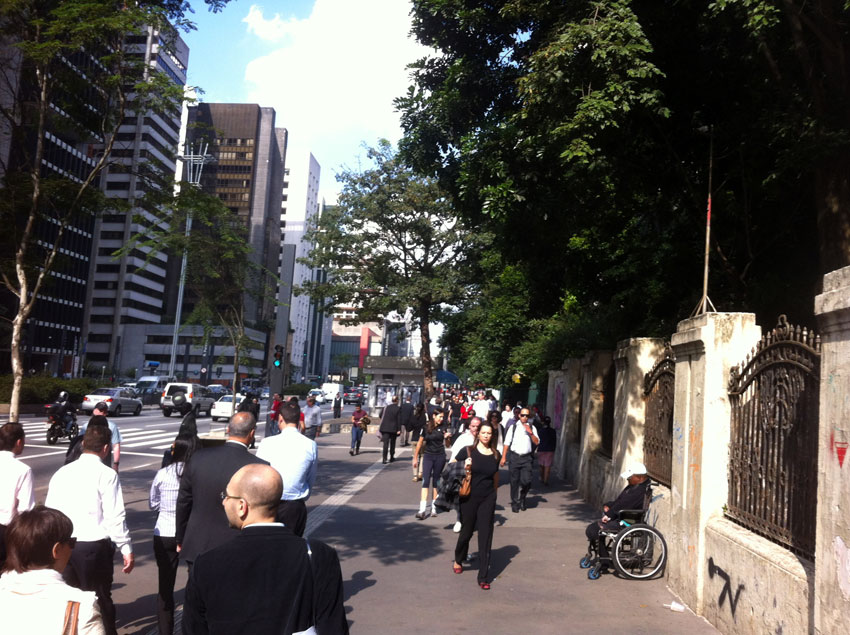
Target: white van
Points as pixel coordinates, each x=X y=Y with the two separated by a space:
x=149 y=389
x=331 y=389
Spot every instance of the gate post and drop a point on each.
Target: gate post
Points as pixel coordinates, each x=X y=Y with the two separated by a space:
x=831 y=597
x=706 y=347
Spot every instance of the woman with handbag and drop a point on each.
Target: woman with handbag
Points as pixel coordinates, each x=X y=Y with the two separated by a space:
x=432 y=446
x=478 y=500
x=357 y=428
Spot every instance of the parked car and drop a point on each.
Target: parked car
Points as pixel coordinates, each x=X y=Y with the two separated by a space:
x=119 y=400
x=353 y=394
x=198 y=398
x=318 y=395
x=221 y=409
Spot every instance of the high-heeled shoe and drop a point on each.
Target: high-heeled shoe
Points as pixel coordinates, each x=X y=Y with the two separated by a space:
x=484 y=585
x=457 y=568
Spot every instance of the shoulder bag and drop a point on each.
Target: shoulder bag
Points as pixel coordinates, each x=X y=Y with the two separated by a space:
x=466 y=485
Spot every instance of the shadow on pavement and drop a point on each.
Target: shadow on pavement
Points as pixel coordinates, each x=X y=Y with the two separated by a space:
x=359 y=580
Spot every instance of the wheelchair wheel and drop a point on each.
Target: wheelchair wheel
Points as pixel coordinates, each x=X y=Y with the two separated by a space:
x=595 y=572
x=586 y=562
x=639 y=552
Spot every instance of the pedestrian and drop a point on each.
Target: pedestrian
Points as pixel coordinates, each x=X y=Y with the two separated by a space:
x=265 y=580
x=295 y=457
x=491 y=400
x=546 y=449
x=89 y=493
x=481 y=406
x=33 y=596
x=432 y=447
x=405 y=414
x=251 y=404
x=519 y=446
x=102 y=410
x=479 y=508
x=312 y=419
x=357 y=429
x=271 y=422
x=464 y=441
x=417 y=425
x=16 y=490
x=454 y=410
x=163 y=499
x=390 y=429
x=200 y=520
x=337 y=406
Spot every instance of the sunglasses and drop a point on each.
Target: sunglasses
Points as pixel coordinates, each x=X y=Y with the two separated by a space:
x=523 y=414
x=225 y=495
x=71 y=542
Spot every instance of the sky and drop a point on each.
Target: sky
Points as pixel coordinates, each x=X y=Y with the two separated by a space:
x=329 y=68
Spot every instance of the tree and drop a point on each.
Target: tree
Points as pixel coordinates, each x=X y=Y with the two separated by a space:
x=393 y=244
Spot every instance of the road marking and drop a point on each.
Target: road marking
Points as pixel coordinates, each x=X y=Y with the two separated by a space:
x=317 y=516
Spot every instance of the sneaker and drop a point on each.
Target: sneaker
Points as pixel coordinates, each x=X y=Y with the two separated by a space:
x=433 y=511
x=421 y=515
x=351 y=452
x=456 y=527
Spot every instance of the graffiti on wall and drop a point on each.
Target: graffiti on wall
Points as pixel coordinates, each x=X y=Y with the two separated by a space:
x=713 y=570
x=838 y=444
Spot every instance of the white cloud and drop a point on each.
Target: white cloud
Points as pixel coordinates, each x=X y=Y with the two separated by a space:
x=334 y=77
x=271 y=30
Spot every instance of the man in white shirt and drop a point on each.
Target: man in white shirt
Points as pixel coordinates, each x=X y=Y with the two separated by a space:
x=16 y=492
x=520 y=440
x=89 y=493
x=312 y=419
x=295 y=458
x=464 y=440
x=481 y=407
x=103 y=410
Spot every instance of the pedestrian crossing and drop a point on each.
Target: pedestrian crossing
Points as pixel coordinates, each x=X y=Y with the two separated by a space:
x=153 y=437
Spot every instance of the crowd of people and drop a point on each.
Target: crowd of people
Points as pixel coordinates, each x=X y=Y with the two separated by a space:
x=236 y=520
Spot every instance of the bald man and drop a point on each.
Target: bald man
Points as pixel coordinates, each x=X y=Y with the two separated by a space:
x=201 y=522
x=267 y=580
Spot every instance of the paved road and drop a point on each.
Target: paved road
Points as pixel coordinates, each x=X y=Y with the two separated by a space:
x=396 y=569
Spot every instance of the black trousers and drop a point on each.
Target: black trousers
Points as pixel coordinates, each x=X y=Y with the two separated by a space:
x=521 y=465
x=388 y=439
x=165 y=552
x=90 y=569
x=477 y=513
x=293 y=514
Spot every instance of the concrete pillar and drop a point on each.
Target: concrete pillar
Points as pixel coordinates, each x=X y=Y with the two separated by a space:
x=832 y=549
x=706 y=347
x=564 y=407
x=594 y=365
x=633 y=358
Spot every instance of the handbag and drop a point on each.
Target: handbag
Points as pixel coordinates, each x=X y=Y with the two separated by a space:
x=466 y=485
x=72 y=612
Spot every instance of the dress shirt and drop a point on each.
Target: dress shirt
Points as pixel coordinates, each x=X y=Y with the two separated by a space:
x=89 y=493
x=463 y=441
x=294 y=456
x=116 y=433
x=16 y=493
x=518 y=439
x=481 y=409
x=163 y=498
x=35 y=602
x=312 y=416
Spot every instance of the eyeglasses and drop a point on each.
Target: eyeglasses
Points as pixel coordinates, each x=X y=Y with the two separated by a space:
x=523 y=414
x=71 y=542
x=225 y=495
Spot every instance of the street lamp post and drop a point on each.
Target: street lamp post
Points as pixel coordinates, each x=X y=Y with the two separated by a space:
x=194 y=167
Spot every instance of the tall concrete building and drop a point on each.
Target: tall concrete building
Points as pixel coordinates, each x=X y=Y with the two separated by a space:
x=131 y=290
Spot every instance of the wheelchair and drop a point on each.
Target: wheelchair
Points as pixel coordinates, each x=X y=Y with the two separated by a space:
x=636 y=550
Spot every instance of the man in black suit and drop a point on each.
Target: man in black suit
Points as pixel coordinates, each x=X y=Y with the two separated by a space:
x=201 y=521
x=405 y=414
x=390 y=428
x=229 y=586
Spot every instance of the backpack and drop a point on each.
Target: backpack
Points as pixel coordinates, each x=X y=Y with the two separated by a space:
x=75 y=449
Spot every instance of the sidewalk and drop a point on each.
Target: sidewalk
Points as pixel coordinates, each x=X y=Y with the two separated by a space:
x=398 y=576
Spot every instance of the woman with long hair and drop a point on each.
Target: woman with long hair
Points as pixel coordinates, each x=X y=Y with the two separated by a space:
x=163 y=498
x=432 y=445
x=478 y=510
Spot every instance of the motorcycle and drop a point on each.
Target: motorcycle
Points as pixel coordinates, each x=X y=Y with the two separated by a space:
x=57 y=426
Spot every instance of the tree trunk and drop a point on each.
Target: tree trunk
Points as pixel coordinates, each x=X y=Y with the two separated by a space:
x=832 y=191
x=425 y=353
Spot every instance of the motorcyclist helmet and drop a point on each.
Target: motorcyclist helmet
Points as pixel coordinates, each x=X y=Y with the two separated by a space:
x=63 y=396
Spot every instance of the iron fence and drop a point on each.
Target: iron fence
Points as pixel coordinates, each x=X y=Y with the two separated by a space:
x=658 y=391
x=773 y=449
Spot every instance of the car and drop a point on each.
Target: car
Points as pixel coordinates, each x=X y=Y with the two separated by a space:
x=222 y=409
x=218 y=390
x=119 y=400
x=353 y=394
x=317 y=394
x=198 y=398
x=264 y=394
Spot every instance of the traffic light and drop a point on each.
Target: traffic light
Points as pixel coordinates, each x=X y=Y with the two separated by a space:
x=218 y=371
x=278 y=356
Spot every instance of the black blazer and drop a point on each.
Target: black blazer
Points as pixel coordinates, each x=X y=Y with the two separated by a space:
x=389 y=421
x=264 y=582
x=405 y=413
x=201 y=521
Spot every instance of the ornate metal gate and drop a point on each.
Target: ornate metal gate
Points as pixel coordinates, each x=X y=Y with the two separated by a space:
x=773 y=448
x=658 y=391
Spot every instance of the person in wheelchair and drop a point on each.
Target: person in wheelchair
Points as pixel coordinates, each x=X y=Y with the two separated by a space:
x=632 y=497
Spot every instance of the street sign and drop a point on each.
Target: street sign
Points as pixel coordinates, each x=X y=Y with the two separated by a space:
x=203 y=370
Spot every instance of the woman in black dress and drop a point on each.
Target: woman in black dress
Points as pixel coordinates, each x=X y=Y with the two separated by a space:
x=477 y=511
